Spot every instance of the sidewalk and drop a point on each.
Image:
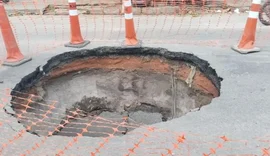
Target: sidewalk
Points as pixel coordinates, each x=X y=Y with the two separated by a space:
x=113 y=7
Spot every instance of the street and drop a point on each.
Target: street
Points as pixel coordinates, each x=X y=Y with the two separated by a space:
x=241 y=113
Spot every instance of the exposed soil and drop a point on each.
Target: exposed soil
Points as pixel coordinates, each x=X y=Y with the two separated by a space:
x=110 y=91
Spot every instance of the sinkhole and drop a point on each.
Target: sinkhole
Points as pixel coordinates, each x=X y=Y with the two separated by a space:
x=110 y=91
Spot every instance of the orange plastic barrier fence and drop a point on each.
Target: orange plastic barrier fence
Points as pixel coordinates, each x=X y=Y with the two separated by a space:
x=144 y=140
x=204 y=23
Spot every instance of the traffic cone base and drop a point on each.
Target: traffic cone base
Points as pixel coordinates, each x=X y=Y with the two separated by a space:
x=14 y=56
x=131 y=39
x=246 y=44
x=132 y=45
x=245 y=51
x=76 y=40
x=80 y=45
x=12 y=63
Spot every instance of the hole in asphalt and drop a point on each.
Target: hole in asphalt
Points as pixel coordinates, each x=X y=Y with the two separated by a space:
x=112 y=91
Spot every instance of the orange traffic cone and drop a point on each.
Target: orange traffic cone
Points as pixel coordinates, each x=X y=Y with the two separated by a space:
x=76 y=40
x=14 y=56
x=246 y=44
x=131 y=39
